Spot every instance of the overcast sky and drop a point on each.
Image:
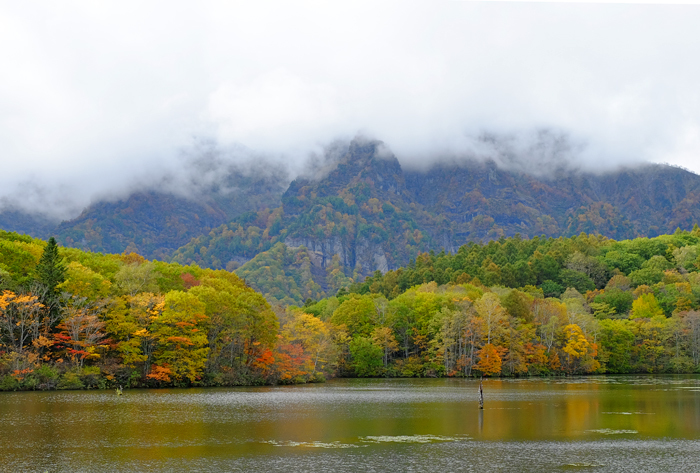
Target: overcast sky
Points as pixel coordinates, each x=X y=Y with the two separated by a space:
x=101 y=96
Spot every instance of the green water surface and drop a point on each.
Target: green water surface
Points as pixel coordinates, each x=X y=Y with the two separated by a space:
x=612 y=423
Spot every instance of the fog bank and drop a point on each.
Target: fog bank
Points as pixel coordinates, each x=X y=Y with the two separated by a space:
x=101 y=99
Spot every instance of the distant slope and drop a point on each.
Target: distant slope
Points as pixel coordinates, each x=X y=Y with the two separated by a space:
x=155 y=223
x=150 y=223
x=13 y=220
x=486 y=202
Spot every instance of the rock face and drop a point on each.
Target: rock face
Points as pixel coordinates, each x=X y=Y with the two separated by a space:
x=325 y=249
x=343 y=214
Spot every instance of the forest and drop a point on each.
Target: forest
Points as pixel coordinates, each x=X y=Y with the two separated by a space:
x=514 y=307
x=71 y=319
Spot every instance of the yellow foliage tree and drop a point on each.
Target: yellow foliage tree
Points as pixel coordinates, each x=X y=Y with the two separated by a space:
x=580 y=352
x=493 y=314
x=314 y=336
x=384 y=338
x=576 y=344
x=646 y=307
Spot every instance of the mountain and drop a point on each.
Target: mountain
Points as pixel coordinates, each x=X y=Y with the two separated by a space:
x=372 y=215
x=14 y=220
x=485 y=202
x=360 y=211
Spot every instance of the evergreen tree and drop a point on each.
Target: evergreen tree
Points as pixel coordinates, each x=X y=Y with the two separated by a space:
x=51 y=271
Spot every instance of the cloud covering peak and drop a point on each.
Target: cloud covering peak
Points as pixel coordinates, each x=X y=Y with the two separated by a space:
x=98 y=95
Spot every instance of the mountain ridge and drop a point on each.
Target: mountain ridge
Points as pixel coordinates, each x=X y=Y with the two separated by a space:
x=373 y=215
x=367 y=213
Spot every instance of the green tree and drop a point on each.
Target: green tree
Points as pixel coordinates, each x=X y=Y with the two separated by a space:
x=50 y=273
x=616 y=342
x=137 y=277
x=84 y=282
x=576 y=279
x=618 y=300
x=551 y=289
x=357 y=314
x=367 y=357
x=51 y=270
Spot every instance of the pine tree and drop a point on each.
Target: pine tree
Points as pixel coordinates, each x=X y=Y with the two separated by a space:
x=51 y=271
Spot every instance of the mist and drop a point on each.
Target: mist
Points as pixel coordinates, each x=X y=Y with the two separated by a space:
x=100 y=99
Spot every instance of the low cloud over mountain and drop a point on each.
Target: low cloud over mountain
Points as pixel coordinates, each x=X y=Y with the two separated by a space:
x=102 y=100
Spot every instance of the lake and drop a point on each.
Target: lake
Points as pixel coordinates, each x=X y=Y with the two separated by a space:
x=611 y=423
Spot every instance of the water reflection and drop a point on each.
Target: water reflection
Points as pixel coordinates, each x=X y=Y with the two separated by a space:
x=617 y=423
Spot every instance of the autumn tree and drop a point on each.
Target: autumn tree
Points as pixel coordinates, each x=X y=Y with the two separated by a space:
x=181 y=333
x=314 y=336
x=20 y=319
x=646 y=306
x=132 y=321
x=492 y=313
x=489 y=360
x=81 y=331
x=580 y=352
x=384 y=338
x=242 y=327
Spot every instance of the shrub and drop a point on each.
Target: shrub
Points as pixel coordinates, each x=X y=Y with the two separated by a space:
x=47 y=377
x=9 y=383
x=71 y=380
x=91 y=377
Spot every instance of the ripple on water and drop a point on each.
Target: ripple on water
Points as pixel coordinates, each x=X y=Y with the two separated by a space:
x=314 y=444
x=370 y=439
x=613 y=431
x=572 y=466
x=411 y=438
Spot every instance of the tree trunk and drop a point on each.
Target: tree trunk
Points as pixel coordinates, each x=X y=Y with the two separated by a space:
x=481 y=393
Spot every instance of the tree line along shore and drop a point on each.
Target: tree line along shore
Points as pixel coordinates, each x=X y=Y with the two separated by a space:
x=71 y=319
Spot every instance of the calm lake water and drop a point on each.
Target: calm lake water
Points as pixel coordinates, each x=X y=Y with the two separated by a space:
x=622 y=423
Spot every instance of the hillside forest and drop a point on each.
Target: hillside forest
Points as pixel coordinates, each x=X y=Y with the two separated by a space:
x=71 y=319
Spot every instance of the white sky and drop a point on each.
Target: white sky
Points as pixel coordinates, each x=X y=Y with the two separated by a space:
x=98 y=96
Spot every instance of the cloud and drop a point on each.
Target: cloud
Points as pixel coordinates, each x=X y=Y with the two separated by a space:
x=100 y=98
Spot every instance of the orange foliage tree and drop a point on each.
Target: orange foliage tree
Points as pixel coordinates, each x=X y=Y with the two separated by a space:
x=489 y=360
